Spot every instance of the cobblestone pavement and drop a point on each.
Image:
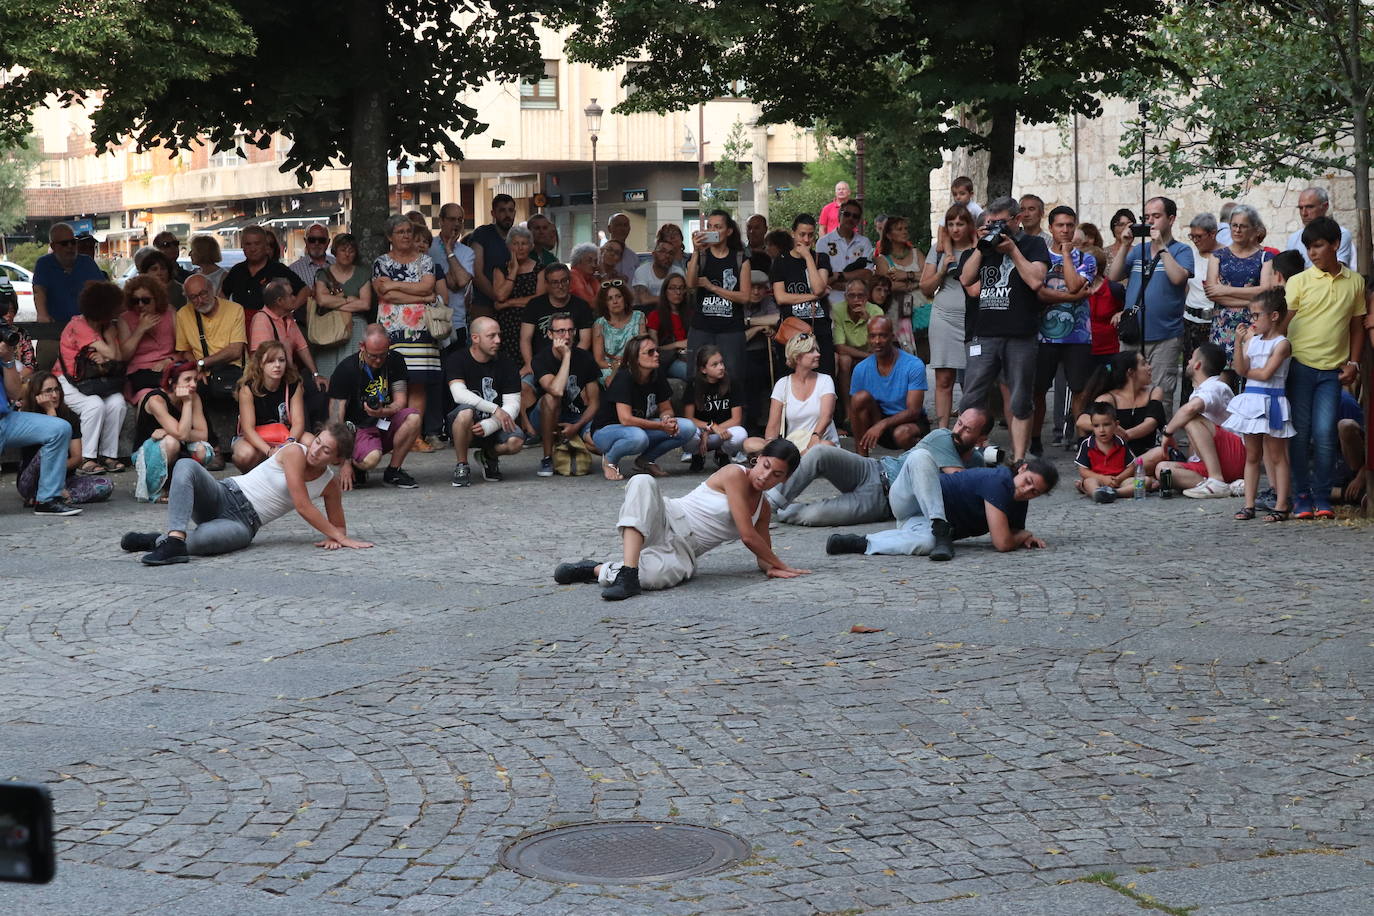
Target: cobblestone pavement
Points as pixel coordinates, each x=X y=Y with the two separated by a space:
x=289 y=730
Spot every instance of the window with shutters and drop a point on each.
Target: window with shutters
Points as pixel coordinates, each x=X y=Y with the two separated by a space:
x=543 y=93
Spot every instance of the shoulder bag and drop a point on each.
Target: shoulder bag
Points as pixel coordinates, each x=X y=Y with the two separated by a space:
x=325 y=327
x=223 y=380
x=98 y=380
x=1130 y=330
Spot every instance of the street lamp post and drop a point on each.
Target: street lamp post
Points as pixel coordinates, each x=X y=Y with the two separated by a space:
x=593 y=113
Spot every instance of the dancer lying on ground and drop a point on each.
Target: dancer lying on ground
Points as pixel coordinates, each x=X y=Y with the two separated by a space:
x=662 y=538
x=229 y=513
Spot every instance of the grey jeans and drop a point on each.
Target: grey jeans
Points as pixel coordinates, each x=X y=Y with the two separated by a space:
x=863 y=495
x=916 y=499
x=225 y=520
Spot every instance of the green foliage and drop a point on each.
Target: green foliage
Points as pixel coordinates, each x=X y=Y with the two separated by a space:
x=27 y=254
x=16 y=164
x=731 y=172
x=897 y=179
x=1276 y=106
x=860 y=64
x=817 y=187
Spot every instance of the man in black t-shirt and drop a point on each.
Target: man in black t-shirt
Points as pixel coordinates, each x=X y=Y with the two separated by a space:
x=799 y=279
x=486 y=387
x=489 y=252
x=246 y=280
x=570 y=389
x=369 y=391
x=559 y=300
x=1005 y=280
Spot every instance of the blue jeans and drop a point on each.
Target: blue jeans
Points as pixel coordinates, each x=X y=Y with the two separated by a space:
x=1313 y=397
x=616 y=441
x=53 y=434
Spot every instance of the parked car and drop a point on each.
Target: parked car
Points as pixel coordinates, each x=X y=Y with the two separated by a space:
x=228 y=257
x=21 y=278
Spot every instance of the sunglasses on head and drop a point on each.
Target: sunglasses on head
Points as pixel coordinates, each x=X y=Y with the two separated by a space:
x=611 y=284
x=804 y=335
x=141 y=300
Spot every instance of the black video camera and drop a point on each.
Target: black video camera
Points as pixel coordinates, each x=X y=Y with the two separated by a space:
x=1140 y=230
x=993 y=234
x=9 y=334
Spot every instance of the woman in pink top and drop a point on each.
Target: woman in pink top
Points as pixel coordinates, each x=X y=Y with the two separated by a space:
x=95 y=332
x=147 y=334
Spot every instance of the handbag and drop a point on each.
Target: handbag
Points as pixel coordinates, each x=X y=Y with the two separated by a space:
x=328 y=327
x=438 y=320
x=1131 y=330
x=223 y=380
x=277 y=433
x=571 y=458
x=790 y=327
x=97 y=380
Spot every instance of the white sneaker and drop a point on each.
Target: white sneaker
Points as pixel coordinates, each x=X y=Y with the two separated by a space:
x=1237 y=487
x=1210 y=488
x=686 y=456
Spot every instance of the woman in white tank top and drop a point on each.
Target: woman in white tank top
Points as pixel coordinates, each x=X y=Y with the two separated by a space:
x=229 y=513
x=662 y=538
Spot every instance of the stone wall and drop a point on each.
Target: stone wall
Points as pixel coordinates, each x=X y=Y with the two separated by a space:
x=1076 y=170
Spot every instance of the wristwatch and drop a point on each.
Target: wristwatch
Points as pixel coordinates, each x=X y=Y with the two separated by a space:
x=200 y=364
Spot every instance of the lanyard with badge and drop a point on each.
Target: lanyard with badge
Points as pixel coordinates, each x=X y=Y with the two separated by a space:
x=383 y=423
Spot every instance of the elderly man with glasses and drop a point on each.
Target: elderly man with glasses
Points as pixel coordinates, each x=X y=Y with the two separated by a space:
x=315 y=259
x=59 y=277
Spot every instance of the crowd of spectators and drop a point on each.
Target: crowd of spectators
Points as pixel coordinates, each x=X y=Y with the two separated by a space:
x=488 y=343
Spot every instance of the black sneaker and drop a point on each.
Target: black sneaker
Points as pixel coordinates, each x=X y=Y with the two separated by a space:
x=491 y=467
x=626 y=585
x=55 y=507
x=944 y=540
x=545 y=467
x=462 y=475
x=139 y=542
x=570 y=573
x=1037 y=447
x=846 y=543
x=698 y=463
x=359 y=478
x=397 y=477
x=722 y=459
x=171 y=550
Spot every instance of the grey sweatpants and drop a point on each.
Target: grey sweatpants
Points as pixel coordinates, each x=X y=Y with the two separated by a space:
x=667 y=558
x=862 y=499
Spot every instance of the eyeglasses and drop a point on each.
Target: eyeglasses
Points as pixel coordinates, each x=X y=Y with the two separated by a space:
x=369 y=355
x=65 y=242
x=317 y=239
x=611 y=284
x=141 y=300
x=563 y=280
x=50 y=391
x=653 y=351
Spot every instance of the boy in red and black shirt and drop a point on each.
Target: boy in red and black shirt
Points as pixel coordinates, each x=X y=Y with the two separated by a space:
x=1104 y=462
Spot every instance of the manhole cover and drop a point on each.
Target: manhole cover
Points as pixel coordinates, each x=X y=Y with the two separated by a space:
x=623 y=852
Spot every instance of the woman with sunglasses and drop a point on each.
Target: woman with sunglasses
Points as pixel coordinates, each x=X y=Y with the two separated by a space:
x=616 y=324
x=636 y=414
x=662 y=539
x=949 y=307
x=44 y=396
x=803 y=403
x=147 y=334
x=719 y=272
x=94 y=335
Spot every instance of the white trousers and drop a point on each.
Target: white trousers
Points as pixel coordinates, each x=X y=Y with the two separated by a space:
x=101 y=419
x=667 y=558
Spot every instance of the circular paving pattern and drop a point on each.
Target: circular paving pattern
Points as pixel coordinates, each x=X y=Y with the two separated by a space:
x=624 y=852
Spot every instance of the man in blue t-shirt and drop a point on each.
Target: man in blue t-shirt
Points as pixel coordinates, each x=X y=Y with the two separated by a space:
x=59 y=277
x=1167 y=265
x=948 y=507
x=887 y=394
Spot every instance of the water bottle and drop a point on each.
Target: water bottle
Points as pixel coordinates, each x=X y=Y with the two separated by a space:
x=1139 y=490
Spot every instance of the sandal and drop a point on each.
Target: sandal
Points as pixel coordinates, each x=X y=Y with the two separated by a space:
x=1244 y=515
x=90 y=468
x=650 y=468
x=114 y=465
x=611 y=471
x=1277 y=515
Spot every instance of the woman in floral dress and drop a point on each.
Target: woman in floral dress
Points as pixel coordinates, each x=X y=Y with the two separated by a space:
x=403 y=281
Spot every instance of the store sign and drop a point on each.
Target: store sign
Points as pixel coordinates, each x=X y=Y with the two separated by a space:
x=637 y=196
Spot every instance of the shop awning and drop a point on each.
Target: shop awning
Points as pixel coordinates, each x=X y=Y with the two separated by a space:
x=114 y=235
x=230 y=225
x=296 y=219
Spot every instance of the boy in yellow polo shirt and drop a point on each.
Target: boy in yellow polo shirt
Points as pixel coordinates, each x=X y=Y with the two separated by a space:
x=1325 y=325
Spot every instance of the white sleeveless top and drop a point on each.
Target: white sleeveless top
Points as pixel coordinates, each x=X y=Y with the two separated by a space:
x=265 y=487
x=705 y=513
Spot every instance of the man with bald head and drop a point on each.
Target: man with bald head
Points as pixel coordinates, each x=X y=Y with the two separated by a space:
x=370 y=391
x=485 y=385
x=618 y=230
x=830 y=213
x=887 y=394
x=60 y=276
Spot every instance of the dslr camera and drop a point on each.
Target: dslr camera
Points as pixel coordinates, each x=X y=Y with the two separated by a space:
x=993 y=456
x=1140 y=230
x=9 y=334
x=993 y=235
x=375 y=400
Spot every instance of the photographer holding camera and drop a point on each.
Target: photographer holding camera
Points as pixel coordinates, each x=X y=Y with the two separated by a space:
x=53 y=435
x=1166 y=289
x=1004 y=272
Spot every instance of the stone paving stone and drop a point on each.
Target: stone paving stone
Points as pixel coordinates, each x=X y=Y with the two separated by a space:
x=1259 y=879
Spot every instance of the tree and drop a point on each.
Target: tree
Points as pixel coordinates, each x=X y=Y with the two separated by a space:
x=1291 y=100
x=16 y=164
x=362 y=82
x=861 y=63
x=731 y=172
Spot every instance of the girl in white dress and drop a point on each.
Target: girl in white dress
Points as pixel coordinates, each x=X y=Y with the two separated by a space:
x=661 y=539
x=1260 y=413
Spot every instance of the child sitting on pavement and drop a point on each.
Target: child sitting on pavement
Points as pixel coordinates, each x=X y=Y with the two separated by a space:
x=1218 y=455
x=1105 y=470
